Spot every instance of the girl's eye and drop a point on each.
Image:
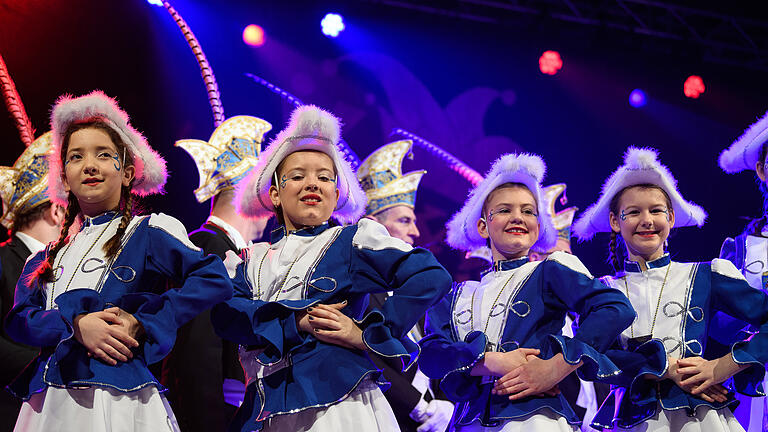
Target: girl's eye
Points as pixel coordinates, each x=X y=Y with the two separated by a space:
x=324 y=178
x=105 y=155
x=297 y=177
x=528 y=212
x=658 y=211
x=74 y=157
x=502 y=211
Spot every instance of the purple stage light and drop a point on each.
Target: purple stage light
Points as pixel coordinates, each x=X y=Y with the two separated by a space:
x=332 y=24
x=155 y=2
x=637 y=98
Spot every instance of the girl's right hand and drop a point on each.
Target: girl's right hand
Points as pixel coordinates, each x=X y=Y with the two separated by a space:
x=500 y=363
x=103 y=340
x=715 y=393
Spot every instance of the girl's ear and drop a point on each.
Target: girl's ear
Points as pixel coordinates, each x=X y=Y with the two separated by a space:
x=671 y=214
x=482 y=228
x=274 y=196
x=613 y=220
x=65 y=183
x=760 y=169
x=128 y=172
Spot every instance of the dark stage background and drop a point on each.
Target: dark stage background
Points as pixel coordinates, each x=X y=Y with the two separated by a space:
x=462 y=75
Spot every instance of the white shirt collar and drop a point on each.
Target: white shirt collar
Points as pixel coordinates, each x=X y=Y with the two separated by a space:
x=232 y=233
x=33 y=244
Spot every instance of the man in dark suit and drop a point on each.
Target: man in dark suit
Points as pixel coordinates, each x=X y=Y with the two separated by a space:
x=416 y=400
x=206 y=383
x=32 y=222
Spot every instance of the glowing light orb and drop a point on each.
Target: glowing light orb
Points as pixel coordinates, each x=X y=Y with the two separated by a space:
x=550 y=62
x=253 y=35
x=155 y=2
x=694 y=86
x=332 y=24
x=637 y=98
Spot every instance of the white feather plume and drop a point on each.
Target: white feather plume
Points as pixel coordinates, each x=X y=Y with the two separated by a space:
x=744 y=153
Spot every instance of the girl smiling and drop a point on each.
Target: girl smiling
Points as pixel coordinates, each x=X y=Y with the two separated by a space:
x=671 y=369
x=298 y=305
x=94 y=300
x=497 y=344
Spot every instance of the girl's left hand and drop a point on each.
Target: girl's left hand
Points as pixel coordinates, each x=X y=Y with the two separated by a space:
x=535 y=377
x=128 y=322
x=702 y=374
x=330 y=325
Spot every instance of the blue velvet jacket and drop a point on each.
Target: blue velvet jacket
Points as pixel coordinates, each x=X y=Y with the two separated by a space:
x=534 y=315
x=709 y=289
x=155 y=250
x=354 y=261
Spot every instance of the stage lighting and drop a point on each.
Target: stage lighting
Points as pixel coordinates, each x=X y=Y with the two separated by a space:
x=550 y=62
x=155 y=2
x=332 y=24
x=637 y=98
x=694 y=86
x=253 y=35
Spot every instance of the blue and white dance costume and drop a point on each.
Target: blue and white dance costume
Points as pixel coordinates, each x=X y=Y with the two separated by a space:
x=520 y=304
x=749 y=250
x=292 y=374
x=154 y=249
x=683 y=297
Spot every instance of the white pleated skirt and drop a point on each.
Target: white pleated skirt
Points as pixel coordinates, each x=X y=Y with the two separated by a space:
x=364 y=410
x=96 y=409
x=705 y=419
x=544 y=420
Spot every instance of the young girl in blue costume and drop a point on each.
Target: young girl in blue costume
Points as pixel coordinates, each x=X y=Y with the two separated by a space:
x=94 y=300
x=497 y=344
x=749 y=250
x=671 y=368
x=295 y=299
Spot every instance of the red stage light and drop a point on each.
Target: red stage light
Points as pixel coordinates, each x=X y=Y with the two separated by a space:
x=550 y=62
x=253 y=35
x=694 y=86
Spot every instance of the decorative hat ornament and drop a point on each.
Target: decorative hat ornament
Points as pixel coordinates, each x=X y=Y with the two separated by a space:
x=310 y=128
x=150 y=171
x=24 y=185
x=383 y=181
x=524 y=168
x=744 y=153
x=641 y=166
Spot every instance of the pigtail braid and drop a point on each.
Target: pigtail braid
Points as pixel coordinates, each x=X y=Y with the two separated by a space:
x=44 y=273
x=613 y=252
x=112 y=246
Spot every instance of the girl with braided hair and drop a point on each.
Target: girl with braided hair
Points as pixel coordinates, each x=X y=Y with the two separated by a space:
x=95 y=300
x=673 y=364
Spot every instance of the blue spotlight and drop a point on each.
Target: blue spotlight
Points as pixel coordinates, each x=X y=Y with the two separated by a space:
x=637 y=98
x=155 y=2
x=332 y=24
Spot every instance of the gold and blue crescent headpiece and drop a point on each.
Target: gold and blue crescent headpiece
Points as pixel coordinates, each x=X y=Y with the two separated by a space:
x=563 y=219
x=383 y=181
x=227 y=157
x=24 y=185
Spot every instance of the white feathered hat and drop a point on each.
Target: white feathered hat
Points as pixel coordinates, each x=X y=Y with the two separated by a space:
x=310 y=128
x=150 y=168
x=524 y=168
x=641 y=166
x=744 y=153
